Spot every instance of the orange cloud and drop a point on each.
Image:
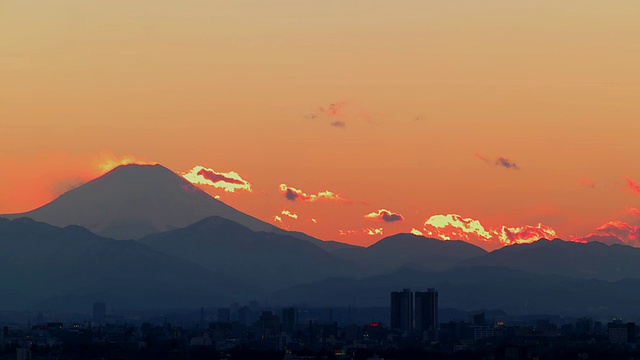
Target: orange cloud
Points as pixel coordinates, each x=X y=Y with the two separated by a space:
x=384 y=215
x=632 y=210
x=294 y=194
x=525 y=234
x=334 y=109
x=456 y=227
x=614 y=232
x=229 y=181
x=107 y=162
x=587 y=182
x=633 y=186
x=365 y=231
x=336 y=114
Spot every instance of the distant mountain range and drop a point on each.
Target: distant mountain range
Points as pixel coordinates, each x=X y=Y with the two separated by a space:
x=190 y=250
x=133 y=201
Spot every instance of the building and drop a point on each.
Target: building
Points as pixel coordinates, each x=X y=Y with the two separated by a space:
x=402 y=310
x=426 y=313
x=289 y=319
x=224 y=315
x=99 y=313
x=269 y=325
x=621 y=333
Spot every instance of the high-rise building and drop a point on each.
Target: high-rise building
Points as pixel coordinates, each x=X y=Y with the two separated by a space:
x=402 y=310
x=224 y=315
x=427 y=313
x=621 y=333
x=245 y=316
x=99 y=313
x=289 y=319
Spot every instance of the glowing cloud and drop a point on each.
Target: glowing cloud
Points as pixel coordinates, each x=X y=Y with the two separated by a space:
x=456 y=227
x=108 y=162
x=632 y=210
x=586 y=182
x=634 y=187
x=384 y=215
x=289 y=214
x=416 y=232
x=229 y=181
x=614 y=232
x=525 y=234
x=373 y=231
x=294 y=194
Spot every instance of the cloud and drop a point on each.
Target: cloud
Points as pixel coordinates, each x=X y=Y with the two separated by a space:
x=108 y=162
x=64 y=185
x=289 y=214
x=293 y=194
x=334 y=109
x=384 y=215
x=586 y=182
x=499 y=161
x=373 y=231
x=416 y=232
x=337 y=114
x=632 y=210
x=614 y=232
x=506 y=163
x=632 y=186
x=365 y=231
x=525 y=234
x=456 y=227
x=481 y=157
x=229 y=181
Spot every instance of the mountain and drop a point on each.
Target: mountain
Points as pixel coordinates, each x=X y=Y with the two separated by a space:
x=474 y=288
x=132 y=201
x=404 y=250
x=49 y=267
x=593 y=260
x=267 y=260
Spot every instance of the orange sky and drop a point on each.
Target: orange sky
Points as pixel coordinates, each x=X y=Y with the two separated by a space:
x=404 y=107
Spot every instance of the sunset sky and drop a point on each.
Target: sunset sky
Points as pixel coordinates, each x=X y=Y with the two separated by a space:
x=493 y=121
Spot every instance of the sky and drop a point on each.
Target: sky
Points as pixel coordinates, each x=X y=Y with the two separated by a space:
x=494 y=122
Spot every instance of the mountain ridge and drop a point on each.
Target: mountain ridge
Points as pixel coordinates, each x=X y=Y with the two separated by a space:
x=133 y=201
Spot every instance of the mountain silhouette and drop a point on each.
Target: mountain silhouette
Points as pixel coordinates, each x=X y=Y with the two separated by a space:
x=132 y=201
x=592 y=260
x=402 y=250
x=262 y=259
x=45 y=266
